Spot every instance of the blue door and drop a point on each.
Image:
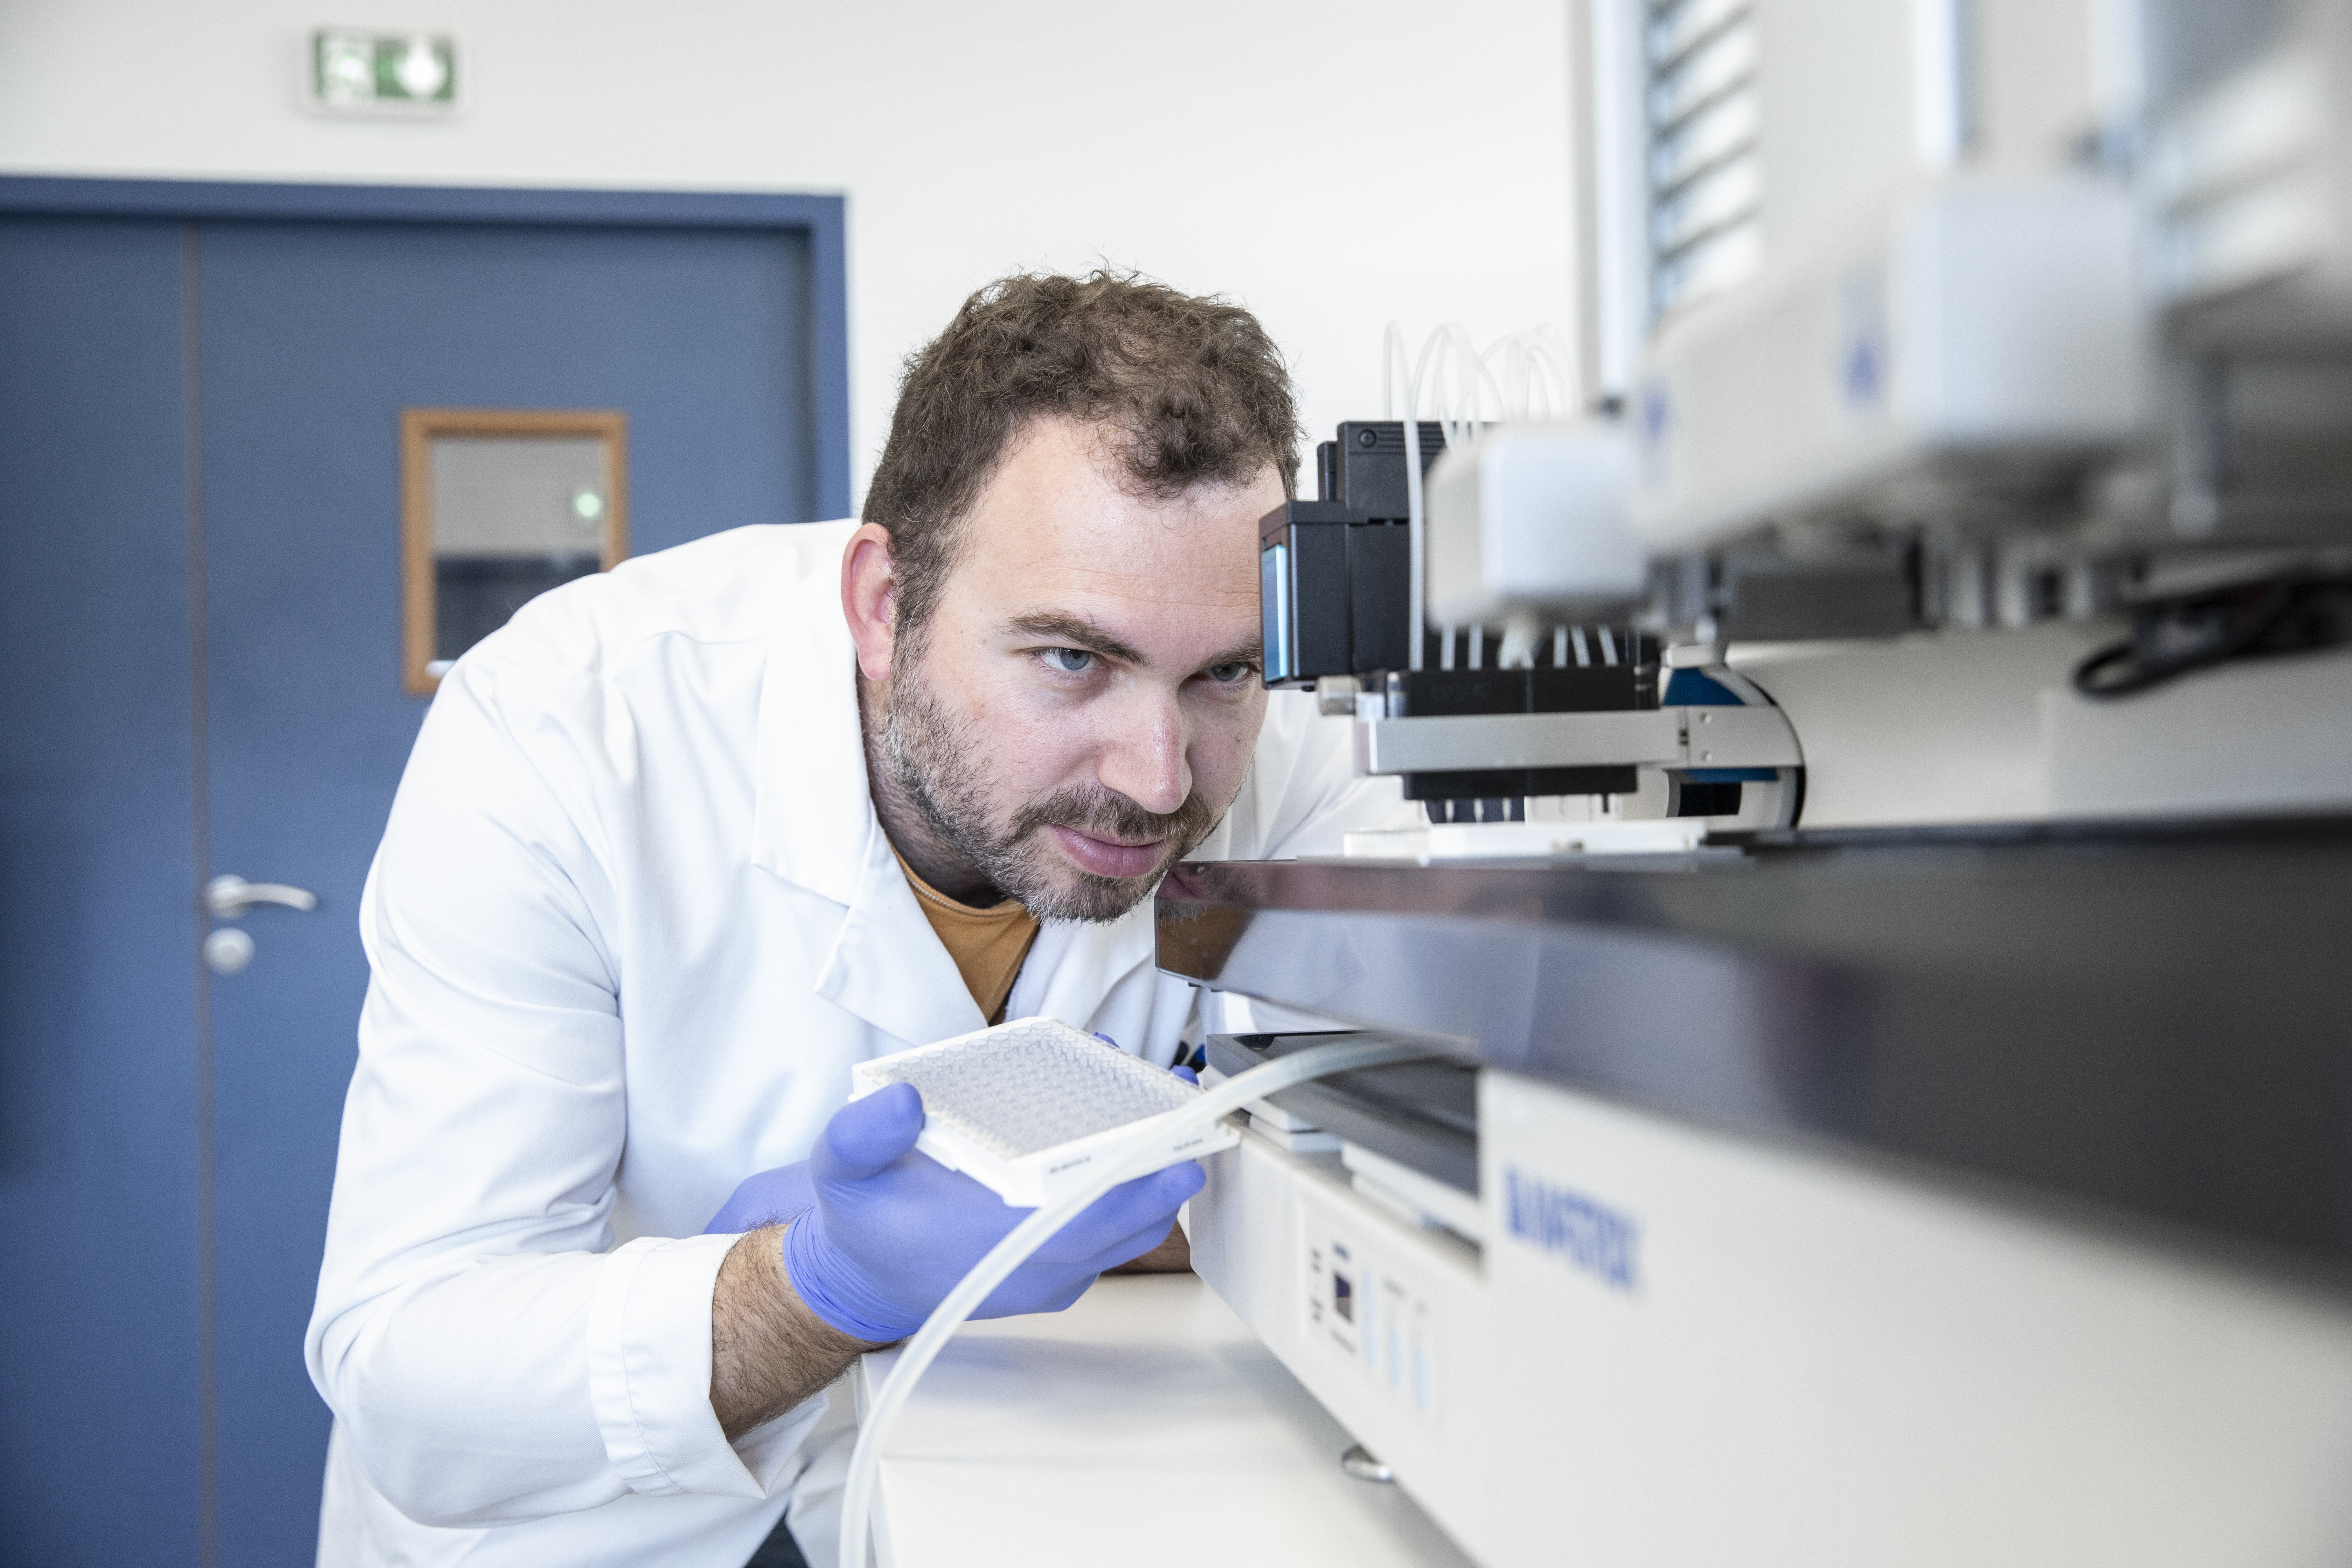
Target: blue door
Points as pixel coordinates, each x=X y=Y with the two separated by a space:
x=274 y=359
x=100 y=1091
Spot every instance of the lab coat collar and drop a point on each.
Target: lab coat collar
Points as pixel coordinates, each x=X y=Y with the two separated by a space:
x=888 y=967
x=1072 y=967
x=812 y=824
x=812 y=820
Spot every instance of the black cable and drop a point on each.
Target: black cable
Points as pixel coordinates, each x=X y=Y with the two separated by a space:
x=2176 y=636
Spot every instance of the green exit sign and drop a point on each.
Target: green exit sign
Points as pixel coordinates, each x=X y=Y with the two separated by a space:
x=407 y=73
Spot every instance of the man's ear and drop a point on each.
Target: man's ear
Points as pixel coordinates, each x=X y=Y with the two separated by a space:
x=869 y=599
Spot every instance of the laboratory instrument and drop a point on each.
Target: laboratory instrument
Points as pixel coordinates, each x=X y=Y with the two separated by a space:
x=1879 y=690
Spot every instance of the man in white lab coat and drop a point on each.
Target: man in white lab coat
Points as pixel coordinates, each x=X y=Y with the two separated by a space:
x=683 y=842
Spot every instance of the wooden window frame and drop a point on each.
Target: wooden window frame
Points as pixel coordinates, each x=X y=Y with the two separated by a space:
x=419 y=427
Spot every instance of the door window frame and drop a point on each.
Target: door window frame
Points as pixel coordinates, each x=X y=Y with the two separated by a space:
x=419 y=594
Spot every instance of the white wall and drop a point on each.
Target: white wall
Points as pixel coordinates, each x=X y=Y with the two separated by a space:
x=1329 y=165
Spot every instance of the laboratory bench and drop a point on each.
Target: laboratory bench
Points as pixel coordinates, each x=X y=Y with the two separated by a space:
x=1146 y=1426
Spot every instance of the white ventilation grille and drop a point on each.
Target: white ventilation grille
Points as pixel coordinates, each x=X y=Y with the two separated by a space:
x=1706 y=189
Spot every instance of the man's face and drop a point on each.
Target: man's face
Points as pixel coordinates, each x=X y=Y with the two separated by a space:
x=1081 y=708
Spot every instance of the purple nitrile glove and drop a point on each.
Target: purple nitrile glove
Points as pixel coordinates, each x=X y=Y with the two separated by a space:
x=893 y=1230
x=771 y=1197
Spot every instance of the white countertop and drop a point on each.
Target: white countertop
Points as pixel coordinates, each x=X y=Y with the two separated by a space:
x=1145 y=1425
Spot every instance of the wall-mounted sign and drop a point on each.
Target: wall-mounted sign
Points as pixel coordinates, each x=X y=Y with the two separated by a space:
x=350 y=70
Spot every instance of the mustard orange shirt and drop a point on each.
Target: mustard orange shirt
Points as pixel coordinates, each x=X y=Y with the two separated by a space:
x=987 y=945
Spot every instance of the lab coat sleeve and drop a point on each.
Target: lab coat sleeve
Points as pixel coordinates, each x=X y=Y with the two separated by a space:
x=490 y=1356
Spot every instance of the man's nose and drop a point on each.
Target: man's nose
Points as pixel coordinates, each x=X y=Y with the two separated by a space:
x=1143 y=755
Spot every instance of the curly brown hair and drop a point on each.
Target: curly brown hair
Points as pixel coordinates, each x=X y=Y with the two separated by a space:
x=1189 y=389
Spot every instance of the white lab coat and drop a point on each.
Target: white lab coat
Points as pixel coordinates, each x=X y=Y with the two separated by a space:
x=632 y=921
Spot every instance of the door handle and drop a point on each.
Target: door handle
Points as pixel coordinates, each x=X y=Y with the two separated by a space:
x=230 y=895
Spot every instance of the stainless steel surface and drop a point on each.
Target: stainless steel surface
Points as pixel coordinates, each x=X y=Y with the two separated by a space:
x=229 y=896
x=1681 y=737
x=2152 y=1021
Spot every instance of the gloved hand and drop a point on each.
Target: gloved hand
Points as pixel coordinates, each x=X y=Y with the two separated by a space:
x=770 y=1197
x=893 y=1230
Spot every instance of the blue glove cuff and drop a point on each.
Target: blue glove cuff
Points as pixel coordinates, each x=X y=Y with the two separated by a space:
x=828 y=1285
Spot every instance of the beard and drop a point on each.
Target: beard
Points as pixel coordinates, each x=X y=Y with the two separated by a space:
x=938 y=764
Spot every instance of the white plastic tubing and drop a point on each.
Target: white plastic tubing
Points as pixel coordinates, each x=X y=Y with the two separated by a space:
x=1135 y=1159
x=1521 y=370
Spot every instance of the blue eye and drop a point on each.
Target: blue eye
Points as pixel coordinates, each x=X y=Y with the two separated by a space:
x=1069 y=660
x=1226 y=674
